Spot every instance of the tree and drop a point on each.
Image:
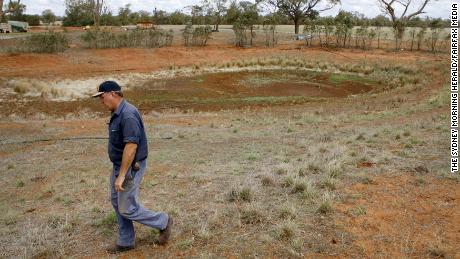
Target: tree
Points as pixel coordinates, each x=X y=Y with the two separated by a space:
x=298 y=10
x=216 y=9
x=15 y=10
x=435 y=27
x=379 y=21
x=399 y=23
x=78 y=13
x=32 y=20
x=243 y=17
x=124 y=13
x=98 y=8
x=178 y=17
x=344 y=22
x=144 y=16
x=48 y=16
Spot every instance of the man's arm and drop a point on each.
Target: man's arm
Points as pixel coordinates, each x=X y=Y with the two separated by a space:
x=129 y=153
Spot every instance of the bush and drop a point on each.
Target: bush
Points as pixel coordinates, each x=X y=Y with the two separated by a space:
x=48 y=42
x=151 y=38
x=199 y=35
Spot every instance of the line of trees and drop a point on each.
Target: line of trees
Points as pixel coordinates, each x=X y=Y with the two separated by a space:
x=215 y=12
x=344 y=30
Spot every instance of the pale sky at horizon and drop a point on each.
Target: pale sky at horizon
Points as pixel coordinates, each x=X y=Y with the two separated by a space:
x=370 y=8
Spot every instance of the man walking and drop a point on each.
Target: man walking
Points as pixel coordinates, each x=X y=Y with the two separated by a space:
x=128 y=151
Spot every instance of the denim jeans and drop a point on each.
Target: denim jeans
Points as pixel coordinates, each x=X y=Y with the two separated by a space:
x=128 y=208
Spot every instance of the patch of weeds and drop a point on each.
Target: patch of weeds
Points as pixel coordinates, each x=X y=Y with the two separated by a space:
x=451 y=176
x=106 y=223
x=397 y=136
x=287 y=182
x=353 y=154
x=328 y=183
x=251 y=216
x=252 y=157
x=96 y=210
x=406 y=133
x=366 y=180
x=281 y=170
x=361 y=136
x=10 y=166
x=419 y=181
x=290 y=130
x=67 y=201
x=437 y=252
x=153 y=233
x=267 y=181
x=235 y=130
x=314 y=168
x=245 y=194
x=309 y=194
x=287 y=212
x=403 y=153
x=335 y=172
x=68 y=227
x=325 y=206
x=299 y=187
x=185 y=244
x=408 y=146
x=20 y=184
x=324 y=138
x=286 y=231
x=55 y=221
x=359 y=211
x=9 y=218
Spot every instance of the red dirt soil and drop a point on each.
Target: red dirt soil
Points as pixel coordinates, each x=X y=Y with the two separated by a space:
x=77 y=63
x=405 y=215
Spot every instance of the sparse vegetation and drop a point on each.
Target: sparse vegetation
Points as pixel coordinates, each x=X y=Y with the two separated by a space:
x=243 y=194
x=48 y=42
x=103 y=39
x=246 y=166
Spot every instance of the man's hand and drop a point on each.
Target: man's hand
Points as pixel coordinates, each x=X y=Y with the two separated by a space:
x=128 y=155
x=119 y=183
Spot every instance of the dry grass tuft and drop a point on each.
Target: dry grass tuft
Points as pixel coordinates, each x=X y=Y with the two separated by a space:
x=325 y=206
x=243 y=194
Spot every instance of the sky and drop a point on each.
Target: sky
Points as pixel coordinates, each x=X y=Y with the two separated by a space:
x=370 y=8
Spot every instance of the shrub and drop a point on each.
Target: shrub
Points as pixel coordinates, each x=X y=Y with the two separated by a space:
x=299 y=187
x=103 y=39
x=245 y=194
x=251 y=216
x=287 y=182
x=48 y=42
x=286 y=231
x=267 y=181
x=325 y=205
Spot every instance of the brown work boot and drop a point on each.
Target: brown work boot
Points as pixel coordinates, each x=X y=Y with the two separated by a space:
x=115 y=249
x=166 y=233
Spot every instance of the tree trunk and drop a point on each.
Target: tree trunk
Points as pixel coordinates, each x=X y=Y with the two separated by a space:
x=1 y=10
x=412 y=41
x=296 y=25
x=251 y=34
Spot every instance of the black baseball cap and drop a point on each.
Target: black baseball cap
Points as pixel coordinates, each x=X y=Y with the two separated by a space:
x=107 y=86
